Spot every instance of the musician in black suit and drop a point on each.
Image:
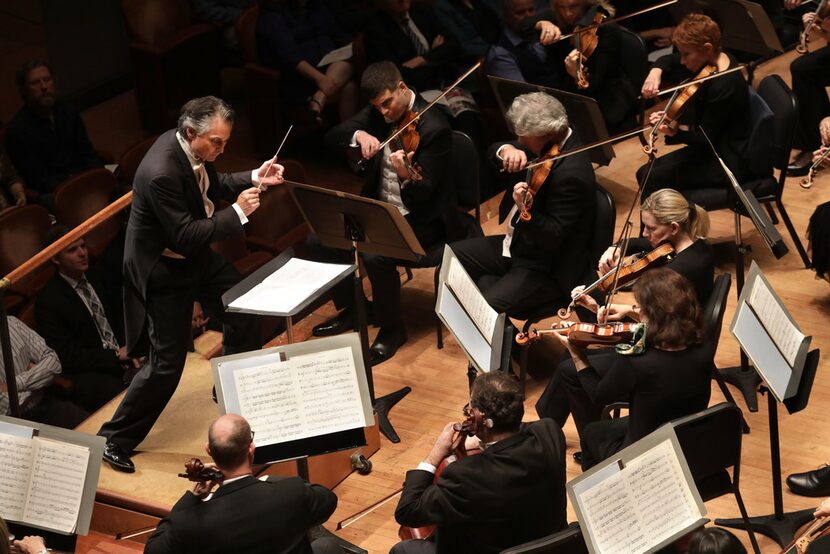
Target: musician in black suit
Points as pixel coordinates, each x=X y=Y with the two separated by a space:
x=510 y=493
x=168 y=262
x=539 y=260
x=423 y=195
x=244 y=514
x=80 y=317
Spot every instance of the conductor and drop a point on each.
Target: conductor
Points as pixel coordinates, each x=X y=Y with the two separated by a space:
x=168 y=262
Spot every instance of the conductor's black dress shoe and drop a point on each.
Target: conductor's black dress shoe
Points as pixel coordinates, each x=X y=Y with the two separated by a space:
x=389 y=339
x=811 y=483
x=341 y=323
x=118 y=458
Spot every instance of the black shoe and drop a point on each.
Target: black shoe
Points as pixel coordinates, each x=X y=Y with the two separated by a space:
x=801 y=165
x=118 y=458
x=578 y=457
x=341 y=323
x=389 y=339
x=811 y=483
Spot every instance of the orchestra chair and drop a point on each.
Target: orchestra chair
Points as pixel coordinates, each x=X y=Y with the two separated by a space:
x=82 y=196
x=131 y=158
x=22 y=235
x=173 y=59
x=567 y=541
x=278 y=223
x=774 y=113
x=235 y=250
x=604 y=221
x=635 y=64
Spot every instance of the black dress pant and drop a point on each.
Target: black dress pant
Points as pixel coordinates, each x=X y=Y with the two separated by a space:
x=811 y=74
x=172 y=288
x=583 y=409
x=93 y=389
x=601 y=440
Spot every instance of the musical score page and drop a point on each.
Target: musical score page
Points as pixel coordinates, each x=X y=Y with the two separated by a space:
x=16 y=461
x=57 y=484
x=304 y=396
x=638 y=507
x=780 y=328
x=471 y=299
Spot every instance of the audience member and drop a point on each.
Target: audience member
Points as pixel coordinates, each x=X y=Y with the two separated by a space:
x=353 y=15
x=12 y=190
x=82 y=319
x=473 y=24
x=224 y=13
x=715 y=540
x=513 y=492
x=35 y=367
x=244 y=514
x=46 y=139
x=293 y=36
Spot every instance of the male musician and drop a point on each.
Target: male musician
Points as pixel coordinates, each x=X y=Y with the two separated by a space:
x=513 y=492
x=421 y=193
x=244 y=514
x=540 y=260
x=720 y=108
x=168 y=262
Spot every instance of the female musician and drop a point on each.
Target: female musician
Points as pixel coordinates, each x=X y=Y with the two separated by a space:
x=720 y=108
x=513 y=492
x=670 y=379
x=607 y=82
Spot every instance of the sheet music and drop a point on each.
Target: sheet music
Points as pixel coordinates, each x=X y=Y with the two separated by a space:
x=783 y=332
x=636 y=508
x=471 y=299
x=16 y=461
x=57 y=484
x=336 y=55
x=304 y=396
x=289 y=286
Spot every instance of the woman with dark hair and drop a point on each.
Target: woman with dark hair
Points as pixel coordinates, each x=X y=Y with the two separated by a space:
x=715 y=540
x=670 y=379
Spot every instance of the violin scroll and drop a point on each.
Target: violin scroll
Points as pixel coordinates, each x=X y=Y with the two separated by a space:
x=198 y=472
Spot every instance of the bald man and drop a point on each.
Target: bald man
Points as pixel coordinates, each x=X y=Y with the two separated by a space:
x=244 y=514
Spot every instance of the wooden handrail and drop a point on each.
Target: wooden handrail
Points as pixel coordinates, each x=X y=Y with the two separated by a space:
x=27 y=267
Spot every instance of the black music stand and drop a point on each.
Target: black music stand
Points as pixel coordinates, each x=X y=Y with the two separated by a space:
x=356 y=224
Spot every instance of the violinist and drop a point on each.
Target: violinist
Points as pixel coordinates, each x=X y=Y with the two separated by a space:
x=670 y=379
x=510 y=493
x=244 y=514
x=415 y=182
x=720 y=107
x=540 y=259
x=602 y=64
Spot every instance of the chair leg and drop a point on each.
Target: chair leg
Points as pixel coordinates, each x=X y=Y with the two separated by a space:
x=800 y=247
x=727 y=394
x=747 y=522
x=439 y=330
x=408 y=274
x=772 y=216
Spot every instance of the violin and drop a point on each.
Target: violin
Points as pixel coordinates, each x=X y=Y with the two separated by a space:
x=536 y=177
x=817 y=529
x=198 y=472
x=807 y=182
x=630 y=269
x=677 y=103
x=820 y=21
x=586 y=44
x=584 y=334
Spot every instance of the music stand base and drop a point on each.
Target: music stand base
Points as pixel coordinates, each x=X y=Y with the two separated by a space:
x=321 y=532
x=780 y=529
x=382 y=406
x=746 y=381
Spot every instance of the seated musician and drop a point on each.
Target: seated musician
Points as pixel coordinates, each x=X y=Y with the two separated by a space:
x=420 y=192
x=539 y=260
x=604 y=70
x=670 y=379
x=510 y=493
x=244 y=514
x=720 y=108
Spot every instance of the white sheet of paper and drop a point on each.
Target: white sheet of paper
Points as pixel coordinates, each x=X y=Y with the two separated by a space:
x=472 y=300
x=304 y=396
x=784 y=333
x=289 y=286
x=16 y=461
x=336 y=55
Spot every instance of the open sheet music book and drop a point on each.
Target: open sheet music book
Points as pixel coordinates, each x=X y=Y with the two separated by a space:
x=781 y=329
x=471 y=299
x=639 y=500
x=42 y=481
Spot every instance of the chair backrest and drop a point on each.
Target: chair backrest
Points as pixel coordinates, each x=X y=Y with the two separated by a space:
x=781 y=100
x=465 y=173
x=22 y=235
x=760 y=149
x=246 y=34
x=715 y=309
x=711 y=441
x=278 y=215
x=567 y=541
x=131 y=158
x=154 y=21
x=84 y=195
x=604 y=221
x=633 y=57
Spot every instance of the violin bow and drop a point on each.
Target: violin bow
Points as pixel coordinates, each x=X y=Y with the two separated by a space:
x=616 y=19
x=342 y=524
x=271 y=163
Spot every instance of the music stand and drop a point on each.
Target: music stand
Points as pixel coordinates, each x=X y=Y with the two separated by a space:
x=356 y=224
x=584 y=114
x=786 y=382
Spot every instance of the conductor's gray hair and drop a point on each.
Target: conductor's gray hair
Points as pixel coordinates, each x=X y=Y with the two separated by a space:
x=537 y=114
x=197 y=114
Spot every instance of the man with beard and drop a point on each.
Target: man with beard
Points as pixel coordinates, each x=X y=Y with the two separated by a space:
x=46 y=139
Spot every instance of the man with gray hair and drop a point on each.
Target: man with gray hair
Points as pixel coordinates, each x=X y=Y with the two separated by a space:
x=168 y=262
x=541 y=258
